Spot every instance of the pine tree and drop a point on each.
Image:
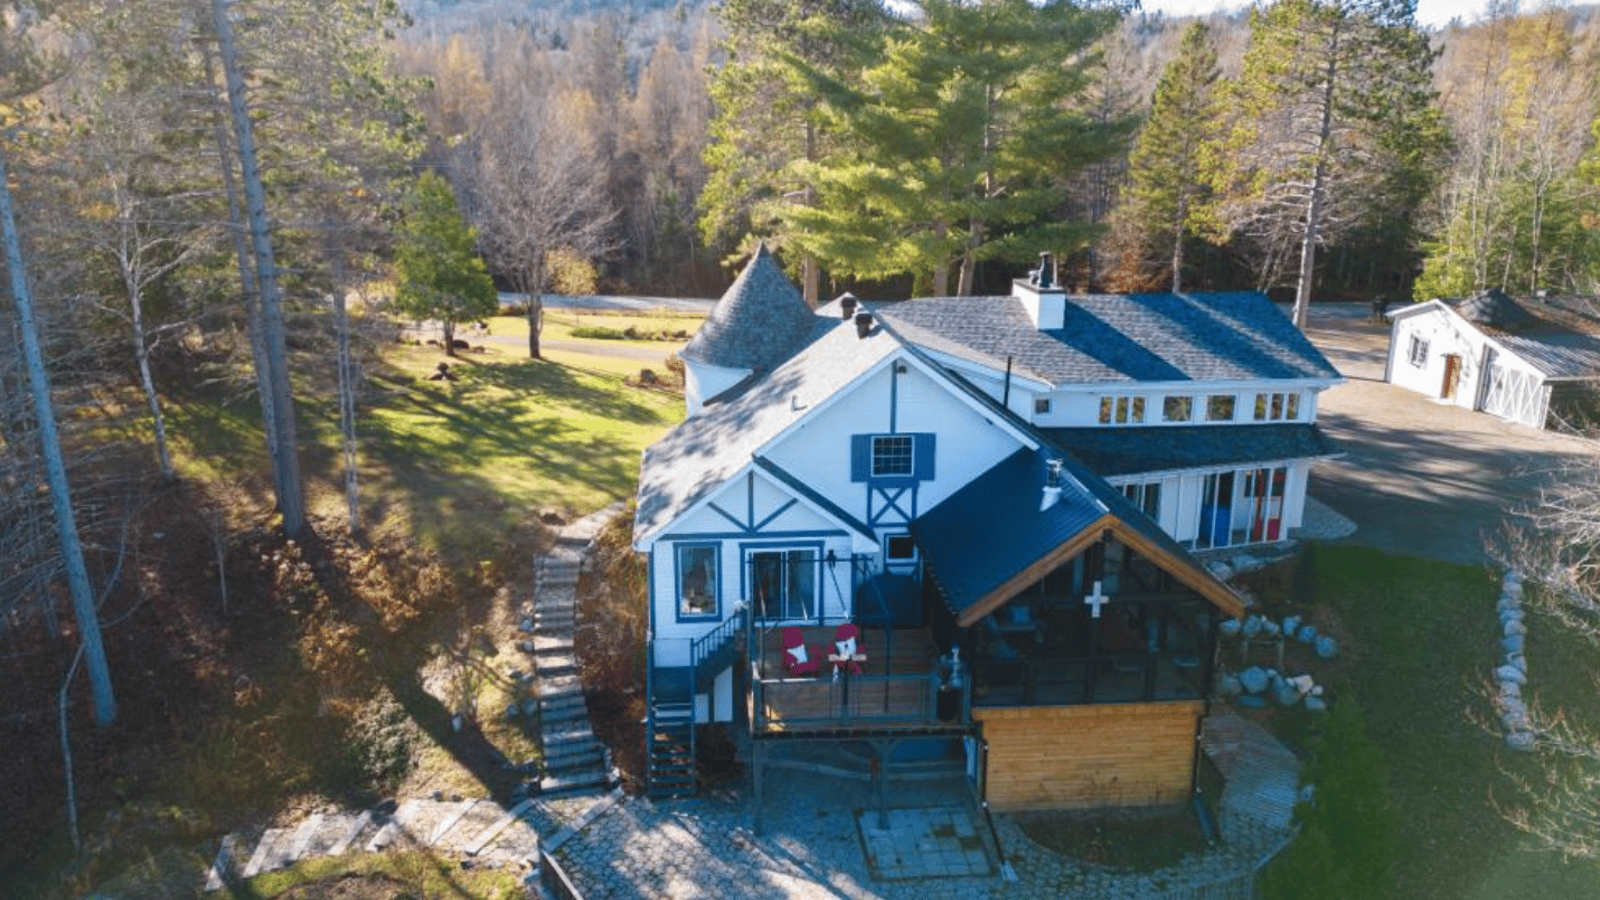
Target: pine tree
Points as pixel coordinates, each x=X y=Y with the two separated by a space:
x=439 y=272
x=1168 y=193
x=770 y=121
x=1334 y=97
x=959 y=139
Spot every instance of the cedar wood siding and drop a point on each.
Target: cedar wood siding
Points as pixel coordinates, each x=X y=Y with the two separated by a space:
x=1070 y=757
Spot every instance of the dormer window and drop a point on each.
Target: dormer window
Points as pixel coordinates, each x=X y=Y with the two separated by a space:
x=1219 y=407
x=1177 y=408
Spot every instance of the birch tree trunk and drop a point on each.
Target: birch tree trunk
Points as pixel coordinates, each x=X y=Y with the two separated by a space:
x=286 y=462
x=83 y=605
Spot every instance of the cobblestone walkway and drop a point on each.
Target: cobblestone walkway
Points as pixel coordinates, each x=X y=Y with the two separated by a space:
x=813 y=850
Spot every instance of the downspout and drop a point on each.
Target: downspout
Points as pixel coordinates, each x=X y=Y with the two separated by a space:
x=1005 y=394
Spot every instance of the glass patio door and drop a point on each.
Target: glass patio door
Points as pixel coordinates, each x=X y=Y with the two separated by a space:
x=783 y=583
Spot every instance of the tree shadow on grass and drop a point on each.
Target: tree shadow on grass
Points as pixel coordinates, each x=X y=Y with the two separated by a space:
x=561 y=382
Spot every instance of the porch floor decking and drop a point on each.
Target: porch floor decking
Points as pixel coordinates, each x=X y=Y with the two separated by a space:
x=890 y=692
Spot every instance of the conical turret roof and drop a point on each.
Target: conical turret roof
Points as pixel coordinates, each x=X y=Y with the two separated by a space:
x=757 y=323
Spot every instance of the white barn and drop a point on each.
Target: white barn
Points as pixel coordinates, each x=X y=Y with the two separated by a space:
x=1529 y=363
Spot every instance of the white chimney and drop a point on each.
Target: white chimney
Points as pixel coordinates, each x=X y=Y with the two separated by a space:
x=1041 y=295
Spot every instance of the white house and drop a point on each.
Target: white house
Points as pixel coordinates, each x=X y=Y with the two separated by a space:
x=1520 y=362
x=993 y=502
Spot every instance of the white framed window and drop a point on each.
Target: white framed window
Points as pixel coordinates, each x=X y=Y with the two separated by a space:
x=1418 y=351
x=1121 y=410
x=1219 y=407
x=899 y=548
x=892 y=455
x=1146 y=496
x=1041 y=406
x=1177 y=408
x=1277 y=407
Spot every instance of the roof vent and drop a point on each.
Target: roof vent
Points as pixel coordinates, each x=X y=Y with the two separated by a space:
x=863 y=324
x=1044 y=276
x=1052 y=485
x=847 y=306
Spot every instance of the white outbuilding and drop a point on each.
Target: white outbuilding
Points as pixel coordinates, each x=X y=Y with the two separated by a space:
x=1535 y=363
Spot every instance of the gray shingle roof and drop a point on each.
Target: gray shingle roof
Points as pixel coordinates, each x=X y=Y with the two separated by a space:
x=1111 y=338
x=1496 y=309
x=694 y=459
x=1126 y=451
x=757 y=323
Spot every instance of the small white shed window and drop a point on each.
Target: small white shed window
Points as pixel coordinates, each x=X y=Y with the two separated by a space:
x=1418 y=351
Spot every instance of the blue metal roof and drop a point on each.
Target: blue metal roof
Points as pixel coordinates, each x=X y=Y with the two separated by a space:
x=1126 y=451
x=992 y=528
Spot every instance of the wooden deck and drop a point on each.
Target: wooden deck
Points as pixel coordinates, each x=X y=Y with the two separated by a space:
x=914 y=650
x=890 y=692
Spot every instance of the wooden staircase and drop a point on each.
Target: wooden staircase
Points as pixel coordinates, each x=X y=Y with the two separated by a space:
x=671 y=724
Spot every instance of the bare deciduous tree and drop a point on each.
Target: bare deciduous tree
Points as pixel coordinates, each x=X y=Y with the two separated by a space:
x=537 y=187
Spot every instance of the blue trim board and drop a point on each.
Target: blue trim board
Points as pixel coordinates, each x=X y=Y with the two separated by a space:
x=745 y=529
x=776 y=513
x=677 y=582
x=816 y=499
x=734 y=535
x=744 y=569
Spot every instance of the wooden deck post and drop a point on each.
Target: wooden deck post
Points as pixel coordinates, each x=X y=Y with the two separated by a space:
x=758 y=763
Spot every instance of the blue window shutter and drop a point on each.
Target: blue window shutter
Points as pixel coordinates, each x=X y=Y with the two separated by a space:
x=923 y=448
x=860 y=457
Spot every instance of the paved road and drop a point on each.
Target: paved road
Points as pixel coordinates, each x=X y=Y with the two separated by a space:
x=615 y=302
x=1421 y=477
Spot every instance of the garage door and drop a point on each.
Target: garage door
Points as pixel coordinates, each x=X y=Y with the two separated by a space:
x=1514 y=395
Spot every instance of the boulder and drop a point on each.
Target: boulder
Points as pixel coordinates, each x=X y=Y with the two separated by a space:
x=1517 y=661
x=1290 y=623
x=1512 y=643
x=1252 y=702
x=1327 y=647
x=1252 y=626
x=1512 y=674
x=1302 y=683
x=1515 y=626
x=1284 y=693
x=1269 y=628
x=1253 y=680
x=1316 y=704
x=1307 y=634
x=1229 y=686
x=1229 y=628
x=1521 y=741
x=1510 y=690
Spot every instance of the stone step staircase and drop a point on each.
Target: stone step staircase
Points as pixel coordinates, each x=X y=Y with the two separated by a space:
x=575 y=762
x=472 y=829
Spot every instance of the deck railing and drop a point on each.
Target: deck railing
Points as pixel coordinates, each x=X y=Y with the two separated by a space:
x=857 y=701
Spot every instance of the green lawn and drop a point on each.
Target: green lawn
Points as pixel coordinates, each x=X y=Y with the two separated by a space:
x=453 y=464
x=1425 y=641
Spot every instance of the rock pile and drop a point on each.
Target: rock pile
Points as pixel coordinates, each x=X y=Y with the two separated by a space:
x=1512 y=675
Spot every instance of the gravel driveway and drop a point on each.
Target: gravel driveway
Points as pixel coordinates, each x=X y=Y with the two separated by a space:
x=1420 y=477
